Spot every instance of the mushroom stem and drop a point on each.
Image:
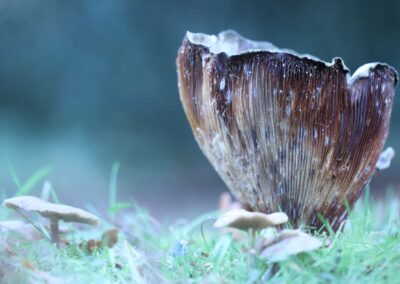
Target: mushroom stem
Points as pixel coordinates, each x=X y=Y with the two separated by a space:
x=54 y=231
x=253 y=238
x=271 y=271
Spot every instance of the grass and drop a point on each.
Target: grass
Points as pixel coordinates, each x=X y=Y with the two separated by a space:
x=366 y=251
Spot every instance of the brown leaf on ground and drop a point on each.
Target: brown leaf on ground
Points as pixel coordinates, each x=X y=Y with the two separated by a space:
x=110 y=237
x=91 y=246
x=27 y=264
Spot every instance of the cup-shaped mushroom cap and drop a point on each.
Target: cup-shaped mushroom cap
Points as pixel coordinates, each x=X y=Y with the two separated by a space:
x=245 y=220
x=51 y=210
x=286 y=132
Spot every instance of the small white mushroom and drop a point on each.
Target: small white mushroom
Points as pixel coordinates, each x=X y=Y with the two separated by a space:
x=54 y=212
x=245 y=220
x=385 y=159
x=290 y=242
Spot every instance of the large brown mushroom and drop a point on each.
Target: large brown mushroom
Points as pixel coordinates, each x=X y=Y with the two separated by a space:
x=286 y=132
x=54 y=212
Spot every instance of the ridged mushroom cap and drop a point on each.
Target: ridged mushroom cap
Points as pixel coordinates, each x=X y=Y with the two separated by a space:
x=286 y=132
x=51 y=210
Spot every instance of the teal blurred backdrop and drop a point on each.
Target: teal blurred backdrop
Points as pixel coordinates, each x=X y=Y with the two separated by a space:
x=87 y=83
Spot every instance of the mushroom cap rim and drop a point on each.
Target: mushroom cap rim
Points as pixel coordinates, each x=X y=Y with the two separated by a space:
x=211 y=42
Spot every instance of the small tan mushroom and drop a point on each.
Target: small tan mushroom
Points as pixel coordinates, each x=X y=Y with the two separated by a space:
x=289 y=233
x=110 y=237
x=54 y=212
x=290 y=242
x=245 y=220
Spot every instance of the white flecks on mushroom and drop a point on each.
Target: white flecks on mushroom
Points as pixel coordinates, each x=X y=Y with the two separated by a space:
x=290 y=242
x=253 y=132
x=385 y=159
x=245 y=220
x=54 y=212
x=231 y=43
x=363 y=71
x=222 y=84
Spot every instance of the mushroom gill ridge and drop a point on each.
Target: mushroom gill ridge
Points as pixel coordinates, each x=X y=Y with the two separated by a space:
x=287 y=132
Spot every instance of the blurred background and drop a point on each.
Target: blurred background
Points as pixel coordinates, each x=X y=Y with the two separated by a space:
x=86 y=83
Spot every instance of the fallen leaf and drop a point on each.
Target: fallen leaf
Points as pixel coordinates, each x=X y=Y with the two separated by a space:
x=27 y=264
x=91 y=245
x=110 y=237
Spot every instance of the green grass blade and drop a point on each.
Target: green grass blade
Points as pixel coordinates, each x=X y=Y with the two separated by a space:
x=14 y=176
x=113 y=206
x=28 y=186
x=54 y=196
x=220 y=250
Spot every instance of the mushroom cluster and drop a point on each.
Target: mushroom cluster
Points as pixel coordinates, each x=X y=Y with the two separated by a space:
x=286 y=132
x=283 y=244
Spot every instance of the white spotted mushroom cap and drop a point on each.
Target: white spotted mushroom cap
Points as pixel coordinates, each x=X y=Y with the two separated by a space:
x=245 y=220
x=51 y=210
